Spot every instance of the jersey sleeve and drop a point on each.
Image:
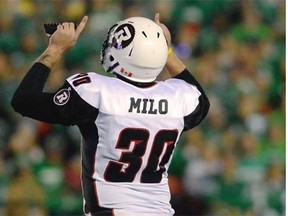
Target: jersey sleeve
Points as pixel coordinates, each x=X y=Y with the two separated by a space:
x=64 y=106
x=199 y=113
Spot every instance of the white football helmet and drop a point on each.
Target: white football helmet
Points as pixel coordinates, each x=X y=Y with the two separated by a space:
x=136 y=49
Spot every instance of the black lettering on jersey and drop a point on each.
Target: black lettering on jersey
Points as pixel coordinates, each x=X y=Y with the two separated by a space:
x=163 y=106
x=61 y=97
x=144 y=109
x=148 y=106
x=134 y=105
x=152 y=110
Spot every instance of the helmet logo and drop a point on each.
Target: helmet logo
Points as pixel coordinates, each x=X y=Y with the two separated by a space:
x=123 y=36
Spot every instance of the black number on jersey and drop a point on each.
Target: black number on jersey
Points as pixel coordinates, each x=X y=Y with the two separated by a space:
x=163 y=145
x=81 y=78
x=133 y=143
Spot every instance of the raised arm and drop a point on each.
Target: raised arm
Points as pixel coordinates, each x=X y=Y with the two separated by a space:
x=176 y=69
x=174 y=65
x=29 y=98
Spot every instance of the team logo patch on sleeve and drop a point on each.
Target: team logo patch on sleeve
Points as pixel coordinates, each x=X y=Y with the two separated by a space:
x=61 y=97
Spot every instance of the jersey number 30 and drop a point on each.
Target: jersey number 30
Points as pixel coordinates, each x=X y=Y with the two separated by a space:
x=133 y=143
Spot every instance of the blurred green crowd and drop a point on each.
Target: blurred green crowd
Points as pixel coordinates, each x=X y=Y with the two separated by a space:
x=232 y=164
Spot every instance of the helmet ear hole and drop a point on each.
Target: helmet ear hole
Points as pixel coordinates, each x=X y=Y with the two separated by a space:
x=111 y=58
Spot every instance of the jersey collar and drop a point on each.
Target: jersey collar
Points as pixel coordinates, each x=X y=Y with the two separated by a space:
x=137 y=84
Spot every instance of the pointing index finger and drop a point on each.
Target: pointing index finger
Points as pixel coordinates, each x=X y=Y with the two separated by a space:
x=81 y=26
x=156 y=18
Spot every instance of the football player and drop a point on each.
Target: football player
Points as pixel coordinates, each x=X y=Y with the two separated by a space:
x=130 y=123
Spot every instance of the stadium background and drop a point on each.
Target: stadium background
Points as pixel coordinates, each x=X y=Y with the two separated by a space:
x=233 y=164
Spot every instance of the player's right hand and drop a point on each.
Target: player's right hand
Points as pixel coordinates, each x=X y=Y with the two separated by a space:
x=66 y=36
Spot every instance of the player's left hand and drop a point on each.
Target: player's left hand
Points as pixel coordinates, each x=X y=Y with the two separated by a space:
x=164 y=28
x=66 y=36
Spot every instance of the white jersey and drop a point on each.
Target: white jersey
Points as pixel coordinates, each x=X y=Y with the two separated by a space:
x=129 y=132
x=135 y=133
